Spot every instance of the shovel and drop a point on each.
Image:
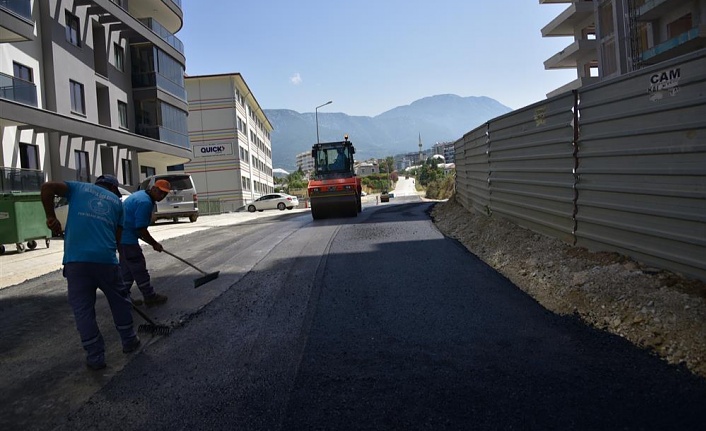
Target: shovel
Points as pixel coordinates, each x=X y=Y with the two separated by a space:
x=201 y=280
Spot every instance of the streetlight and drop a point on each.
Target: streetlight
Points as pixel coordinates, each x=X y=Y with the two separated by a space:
x=316 y=113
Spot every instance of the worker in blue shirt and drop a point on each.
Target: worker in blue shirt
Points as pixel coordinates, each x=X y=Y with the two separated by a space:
x=92 y=234
x=138 y=216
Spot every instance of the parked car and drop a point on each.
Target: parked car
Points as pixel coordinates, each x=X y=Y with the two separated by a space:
x=273 y=201
x=384 y=196
x=61 y=208
x=391 y=195
x=182 y=200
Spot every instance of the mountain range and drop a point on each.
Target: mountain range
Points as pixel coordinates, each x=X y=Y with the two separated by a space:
x=441 y=118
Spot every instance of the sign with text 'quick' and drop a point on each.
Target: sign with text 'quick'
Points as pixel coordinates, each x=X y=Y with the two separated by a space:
x=211 y=150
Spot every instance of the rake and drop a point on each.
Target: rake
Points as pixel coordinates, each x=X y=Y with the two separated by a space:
x=201 y=280
x=150 y=327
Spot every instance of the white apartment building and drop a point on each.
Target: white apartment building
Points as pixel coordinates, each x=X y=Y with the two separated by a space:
x=90 y=88
x=305 y=162
x=230 y=136
x=615 y=37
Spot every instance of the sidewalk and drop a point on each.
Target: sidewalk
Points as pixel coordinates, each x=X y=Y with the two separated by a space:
x=16 y=268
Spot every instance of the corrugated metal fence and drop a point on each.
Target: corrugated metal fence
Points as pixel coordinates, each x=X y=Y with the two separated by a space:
x=618 y=166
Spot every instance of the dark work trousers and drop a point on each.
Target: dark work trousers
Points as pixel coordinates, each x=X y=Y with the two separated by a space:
x=133 y=268
x=83 y=278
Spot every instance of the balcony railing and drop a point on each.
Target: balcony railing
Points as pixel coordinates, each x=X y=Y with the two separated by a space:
x=20 y=180
x=162 y=32
x=164 y=134
x=675 y=42
x=176 y=2
x=154 y=79
x=22 y=8
x=18 y=90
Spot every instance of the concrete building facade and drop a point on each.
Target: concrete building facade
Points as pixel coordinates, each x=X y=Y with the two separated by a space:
x=615 y=37
x=305 y=162
x=90 y=88
x=230 y=136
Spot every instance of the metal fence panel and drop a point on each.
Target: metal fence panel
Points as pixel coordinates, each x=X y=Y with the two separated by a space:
x=472 y=170
x=531 y=156
x=642 y=165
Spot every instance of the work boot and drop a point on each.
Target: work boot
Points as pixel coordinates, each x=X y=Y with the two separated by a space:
x=132 y=345
x=136 y=302
x=154 y=300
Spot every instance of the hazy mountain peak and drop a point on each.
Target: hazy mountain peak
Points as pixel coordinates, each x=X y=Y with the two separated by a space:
x=439 y=118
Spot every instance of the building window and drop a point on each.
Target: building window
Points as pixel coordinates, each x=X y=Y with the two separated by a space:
x=127 y=172
x=119 y=57
x=148 y=171
x=78 y=102
x=22 y=72
x=122 y=114
x=29 y=156
x=73 y=33
x=81 y=158
x=679 y=26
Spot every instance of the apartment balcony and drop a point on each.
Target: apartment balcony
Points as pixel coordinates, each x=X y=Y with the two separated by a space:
x=155 y=80
x=18 y=90
x=573 y=18
x=571 y=56
x=162 y=32
x=164 y=134
x=18 y=179
x=167 y=12
x=27 y=117
x=685 y=43
x=16 y=24
x=113 y=13
x=655 y=9
x=573 y=85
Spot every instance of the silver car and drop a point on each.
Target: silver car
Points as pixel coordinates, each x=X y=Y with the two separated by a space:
x=273 y=201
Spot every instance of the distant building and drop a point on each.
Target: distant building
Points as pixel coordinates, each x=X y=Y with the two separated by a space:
x=305 y=162
x=615 y=37
x=230 y=136
x=446 y=149
x=363 y=169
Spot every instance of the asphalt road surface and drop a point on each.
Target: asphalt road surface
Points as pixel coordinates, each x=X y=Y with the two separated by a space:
x=367 y=323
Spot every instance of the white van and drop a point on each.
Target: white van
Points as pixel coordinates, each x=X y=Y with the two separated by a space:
x=181 y=201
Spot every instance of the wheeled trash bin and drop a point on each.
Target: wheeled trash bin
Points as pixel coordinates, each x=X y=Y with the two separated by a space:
x=22 y=220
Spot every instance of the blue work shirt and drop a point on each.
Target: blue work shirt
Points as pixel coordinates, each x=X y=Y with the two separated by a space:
x=138 y=215
x=94 y=216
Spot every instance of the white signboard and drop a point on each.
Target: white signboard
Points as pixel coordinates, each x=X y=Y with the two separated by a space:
x=211 y=150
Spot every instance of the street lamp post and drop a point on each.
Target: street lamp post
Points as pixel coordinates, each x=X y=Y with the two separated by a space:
x=316 y=113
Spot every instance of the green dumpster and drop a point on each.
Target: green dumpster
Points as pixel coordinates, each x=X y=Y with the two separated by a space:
x=22 y=219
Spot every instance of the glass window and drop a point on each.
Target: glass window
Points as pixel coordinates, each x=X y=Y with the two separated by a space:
x=81 y=158
x=148 y=171
x=119 y=57
x=78 y=104
x=127 y=171
x=22 y=72
x=29 y=156
x=73 y=26
x=122 y=114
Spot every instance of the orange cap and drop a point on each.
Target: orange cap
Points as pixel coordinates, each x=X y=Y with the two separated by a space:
x=163 y=185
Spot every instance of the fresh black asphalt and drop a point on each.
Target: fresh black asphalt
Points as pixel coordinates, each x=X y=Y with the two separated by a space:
x=381 y=323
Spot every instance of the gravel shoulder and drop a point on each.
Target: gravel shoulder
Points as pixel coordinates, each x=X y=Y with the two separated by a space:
x=654 y=309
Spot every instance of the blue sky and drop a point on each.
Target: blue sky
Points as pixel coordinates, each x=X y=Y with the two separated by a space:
x=369 y=56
